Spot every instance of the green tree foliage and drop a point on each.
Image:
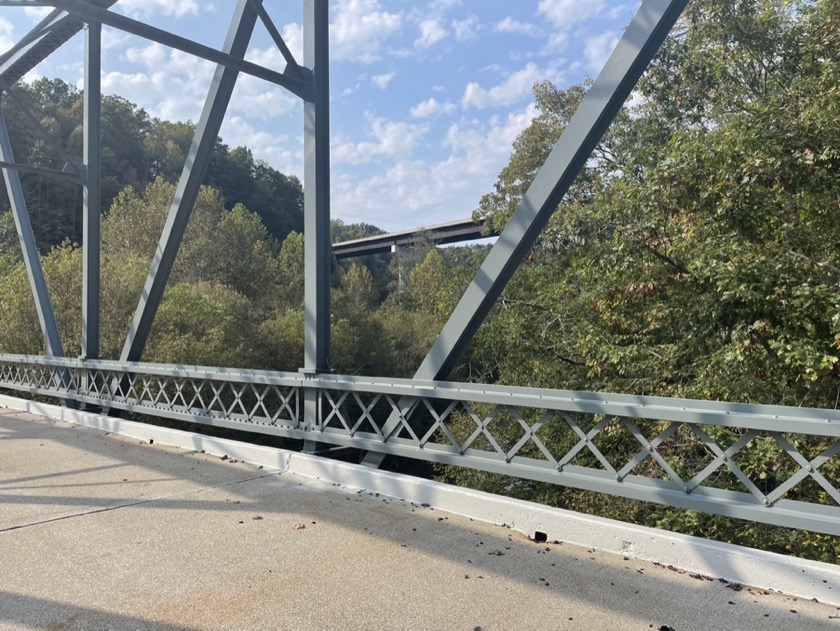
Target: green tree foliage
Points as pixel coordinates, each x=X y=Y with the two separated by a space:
x=19 y=328
x=355 y=325
x=290 y=272
x=10 y=252
x=282 y=332
x=223 y=285
x=377 y=264
x=276 y=198
x=204 y=323
x=430 y=282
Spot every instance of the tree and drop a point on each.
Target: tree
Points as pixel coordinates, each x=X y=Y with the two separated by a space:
x=282 y=332
x=358 y=346
x=276 y=198
x=204 y=324
x=166 y=148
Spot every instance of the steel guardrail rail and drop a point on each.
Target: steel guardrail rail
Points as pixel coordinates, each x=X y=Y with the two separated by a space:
x=493 y=428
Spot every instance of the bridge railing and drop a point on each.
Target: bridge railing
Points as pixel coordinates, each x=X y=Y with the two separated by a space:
x=771 y=464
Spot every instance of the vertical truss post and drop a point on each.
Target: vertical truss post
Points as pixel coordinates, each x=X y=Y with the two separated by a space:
x=91 y=196
x=317 y=187
x=629 y=60
x=316 y=180
x=206 y=132
x=31 y=259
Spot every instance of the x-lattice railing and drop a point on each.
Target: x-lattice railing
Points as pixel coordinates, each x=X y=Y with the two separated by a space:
x=771 y=464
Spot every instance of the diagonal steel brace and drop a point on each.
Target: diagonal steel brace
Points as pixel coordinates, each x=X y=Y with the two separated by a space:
x=631 y=57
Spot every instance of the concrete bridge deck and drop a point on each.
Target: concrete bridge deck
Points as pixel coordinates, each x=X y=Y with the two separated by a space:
x=99 y=531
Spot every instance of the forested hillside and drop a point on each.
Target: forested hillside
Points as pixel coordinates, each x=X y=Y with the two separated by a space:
x=136 y=150
x=698 y=255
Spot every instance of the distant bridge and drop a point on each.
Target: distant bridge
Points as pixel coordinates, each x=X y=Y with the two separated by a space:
x=452 y=232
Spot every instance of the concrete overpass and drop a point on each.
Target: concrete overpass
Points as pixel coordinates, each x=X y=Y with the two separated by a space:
x=441 y=234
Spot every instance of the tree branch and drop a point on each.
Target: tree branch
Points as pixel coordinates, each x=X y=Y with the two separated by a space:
x=804 y=257
x=667 y=259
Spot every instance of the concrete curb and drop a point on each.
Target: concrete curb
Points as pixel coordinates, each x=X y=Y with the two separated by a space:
x=765 y=570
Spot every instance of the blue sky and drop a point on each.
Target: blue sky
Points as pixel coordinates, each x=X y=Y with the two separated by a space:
x=427 y=97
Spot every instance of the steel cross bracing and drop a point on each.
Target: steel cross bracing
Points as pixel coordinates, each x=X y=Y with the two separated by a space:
x=617 y=444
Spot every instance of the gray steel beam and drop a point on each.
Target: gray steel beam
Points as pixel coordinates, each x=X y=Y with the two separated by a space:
x=316 y=194
x=634 y=52
x=754 y=416
x=91 y=192
x=316 y=180
x=31 y=259
x=296 y=84
x=25 y=168
x=43 y=40
x=292 y=64
x=221 y=89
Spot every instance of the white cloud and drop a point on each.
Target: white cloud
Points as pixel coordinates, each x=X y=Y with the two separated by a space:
x=431 y=32
x=558 y=41
x=514 y=88
x=486 y=144
x=283 y=152
x=390 y=138
x=7 y=34
x=509 y=25
x=37 y=13
x=173 y=85
x=357 y=31
x=566 y=13
x=443 y=5
x=149 y=8
x=359 y=27
x=414 y=193
x=292 y=34
x=466 y=29
x=431 y=108
x=257 y=98
x=598 y=49
x=382 y=81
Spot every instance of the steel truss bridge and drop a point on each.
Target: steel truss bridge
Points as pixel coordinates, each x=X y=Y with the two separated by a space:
x=497 y=429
